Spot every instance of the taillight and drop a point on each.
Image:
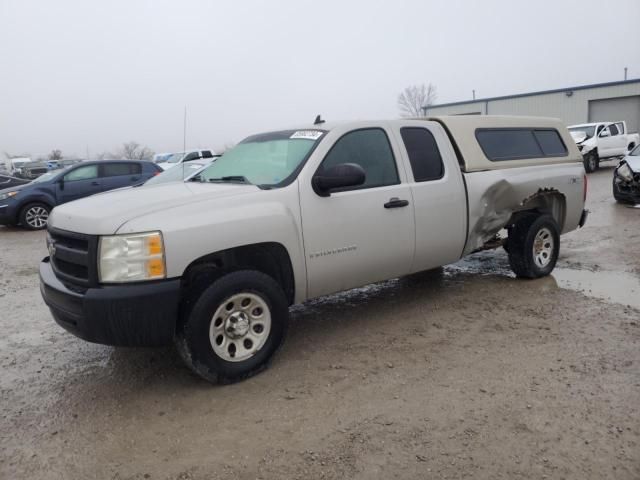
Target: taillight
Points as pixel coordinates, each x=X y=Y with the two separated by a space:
x=584 y=198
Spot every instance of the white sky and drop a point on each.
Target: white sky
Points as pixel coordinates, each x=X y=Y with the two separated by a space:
x=89 y=73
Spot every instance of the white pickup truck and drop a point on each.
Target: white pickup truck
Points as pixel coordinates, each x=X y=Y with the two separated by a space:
x=214 y=264
x=603 y=141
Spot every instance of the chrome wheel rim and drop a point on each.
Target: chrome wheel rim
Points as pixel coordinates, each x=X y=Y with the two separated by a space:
x=543 y=245
x=240 y=327
x=592 y=162
x=36 y=217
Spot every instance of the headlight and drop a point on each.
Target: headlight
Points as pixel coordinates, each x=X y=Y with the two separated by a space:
x=4 y=196
x=625 y=172
x=131 y=258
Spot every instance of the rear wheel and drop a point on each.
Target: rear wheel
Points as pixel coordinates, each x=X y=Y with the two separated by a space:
x=234 y=327
x=34 y=216
x=591 y=162
x=534 y=244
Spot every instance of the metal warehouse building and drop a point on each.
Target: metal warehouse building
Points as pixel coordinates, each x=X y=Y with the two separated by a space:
x=611 y=101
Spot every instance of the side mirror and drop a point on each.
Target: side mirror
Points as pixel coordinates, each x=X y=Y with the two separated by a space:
x=604 y=133
x=339 y=176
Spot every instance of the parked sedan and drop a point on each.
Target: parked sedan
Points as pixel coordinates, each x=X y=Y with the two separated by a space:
x=29 y=205
x=7 y=181
x=626 y=178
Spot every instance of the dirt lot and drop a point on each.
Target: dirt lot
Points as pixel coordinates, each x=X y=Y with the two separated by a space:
x=465 y=373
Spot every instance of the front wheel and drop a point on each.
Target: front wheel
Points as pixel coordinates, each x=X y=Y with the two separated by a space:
x=34 y=216
x=234 y=327
x=534 y=244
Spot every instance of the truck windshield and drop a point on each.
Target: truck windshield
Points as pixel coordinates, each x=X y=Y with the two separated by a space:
x=266 y=159
x=588 y=131
x=175 y=158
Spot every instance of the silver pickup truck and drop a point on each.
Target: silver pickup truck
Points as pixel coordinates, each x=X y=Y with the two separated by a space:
x=213 y=264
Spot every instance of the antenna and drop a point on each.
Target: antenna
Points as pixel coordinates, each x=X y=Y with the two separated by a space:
x=318 y=120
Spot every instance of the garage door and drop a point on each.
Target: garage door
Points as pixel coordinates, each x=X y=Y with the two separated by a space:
x=613 y=109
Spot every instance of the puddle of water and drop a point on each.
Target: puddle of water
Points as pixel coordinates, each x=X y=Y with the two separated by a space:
x=617 y=287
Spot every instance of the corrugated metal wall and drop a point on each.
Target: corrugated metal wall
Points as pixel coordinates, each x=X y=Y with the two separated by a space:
x=571 y=109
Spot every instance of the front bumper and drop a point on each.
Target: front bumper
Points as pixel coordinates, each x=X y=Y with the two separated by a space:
x=629 y=193
x=133 y=315
x=6 y=215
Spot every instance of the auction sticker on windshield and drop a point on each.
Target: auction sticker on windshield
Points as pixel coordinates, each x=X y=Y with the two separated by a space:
x=307 y=134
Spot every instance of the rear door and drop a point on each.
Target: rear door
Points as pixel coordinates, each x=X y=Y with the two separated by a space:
x=79 y=183
x=438 y=194
x=120 y=174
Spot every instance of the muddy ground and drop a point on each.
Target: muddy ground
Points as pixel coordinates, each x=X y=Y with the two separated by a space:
x=466 y=373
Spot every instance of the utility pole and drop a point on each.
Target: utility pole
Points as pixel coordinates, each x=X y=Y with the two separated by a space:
x=474 y=94
x=625 y=73
x=184 y=132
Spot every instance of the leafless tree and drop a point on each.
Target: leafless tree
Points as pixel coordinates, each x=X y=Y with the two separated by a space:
x=413 y=100
x=134 y=151
x=55 y=154
x=104 y=156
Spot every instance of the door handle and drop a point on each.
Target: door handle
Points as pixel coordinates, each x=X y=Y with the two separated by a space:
x=134 y=179
x=395 y=202
x=95 y=184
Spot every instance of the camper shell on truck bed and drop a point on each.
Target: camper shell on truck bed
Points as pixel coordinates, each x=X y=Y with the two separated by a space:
x=474 y=136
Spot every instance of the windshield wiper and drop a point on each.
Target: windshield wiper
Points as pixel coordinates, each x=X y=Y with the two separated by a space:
x=231 y=179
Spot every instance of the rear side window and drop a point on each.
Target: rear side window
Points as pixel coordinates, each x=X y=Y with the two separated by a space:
x=620 y=126
x=500 y=144
x=120 y=169
x=424 y=156
x=613 y=130
x=370 y=149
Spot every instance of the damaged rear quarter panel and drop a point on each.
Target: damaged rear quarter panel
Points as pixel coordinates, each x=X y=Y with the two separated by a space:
x=495 y=195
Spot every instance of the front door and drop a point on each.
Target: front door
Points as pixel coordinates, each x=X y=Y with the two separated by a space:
x=78 y=183
x=363 y=234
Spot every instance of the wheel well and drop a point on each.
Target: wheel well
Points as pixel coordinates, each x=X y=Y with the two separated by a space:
x=26 y=204
x=631 y=146
x=270 y=258
x=549 y=202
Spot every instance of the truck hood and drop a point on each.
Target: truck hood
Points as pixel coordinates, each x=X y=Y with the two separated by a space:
x=105 y=213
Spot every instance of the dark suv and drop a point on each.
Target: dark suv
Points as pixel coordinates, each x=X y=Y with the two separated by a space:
x=29 y=205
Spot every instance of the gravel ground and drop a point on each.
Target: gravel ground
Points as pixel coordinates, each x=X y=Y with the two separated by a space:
x=460 y=373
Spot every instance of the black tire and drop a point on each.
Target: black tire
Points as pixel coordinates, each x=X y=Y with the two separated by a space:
x=591 y=162
x=33 y=216
x=193 y=340
x=522 y=236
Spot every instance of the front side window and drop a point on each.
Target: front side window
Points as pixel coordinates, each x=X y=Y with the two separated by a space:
x=266 y=159
x=424 y=156
x=520 y=143
x=82 y=173
x=370 y=149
